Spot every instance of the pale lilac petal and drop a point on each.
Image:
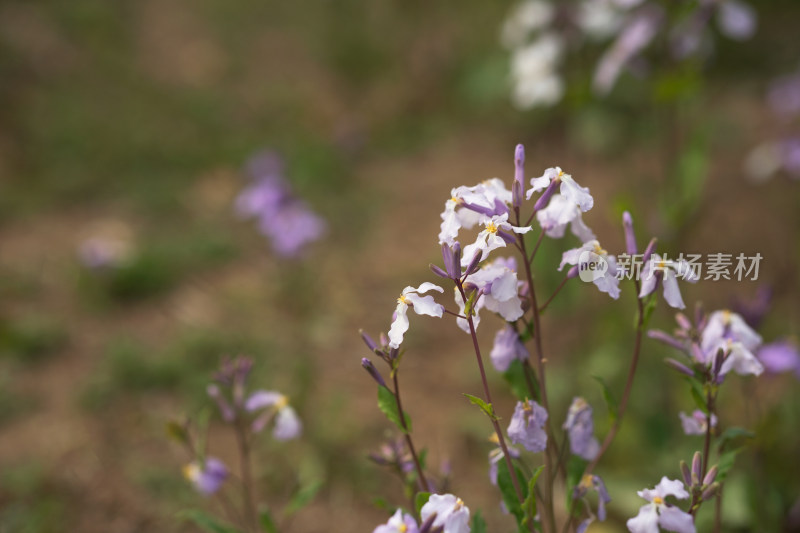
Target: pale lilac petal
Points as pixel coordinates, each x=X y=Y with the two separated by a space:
x=672 y=292
x=645 y=522
x=671 y=487
x=451 y=513
x=673 y=519
x=428 y=286
x=260 y=399
x=737 y=20
x=287 y=424
x=527 y=426
x=781 y=356
x=399 y=326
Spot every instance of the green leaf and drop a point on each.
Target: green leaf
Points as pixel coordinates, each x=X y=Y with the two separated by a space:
x=515 y=377
x=266 y=521
x=650 y=305
x=731 y=434
x=508 y=492
x=206 y=522
x=575 y=469
x=726 y=461
x=302 y=497
x=529 y=506
x=698 y=394
x=177 y=432
x=611 y=403
x=388 y=405
x=485 y=407
x=421 y=499
x=478 y=523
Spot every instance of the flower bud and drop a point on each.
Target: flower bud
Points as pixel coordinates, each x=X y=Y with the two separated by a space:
x=541 y=203
x=711 y=475
x=680 y=367
x=438 y=271
x=651 y=247
x=473 y=265
x=630 y=236
x=572 y=272
x=516 y=194
x=687 y=475
x=697 y=461
x=666 y=338
x=372 y=371
x=519 y=166
x=683 y=321
x=710 y=492
x=368 y=340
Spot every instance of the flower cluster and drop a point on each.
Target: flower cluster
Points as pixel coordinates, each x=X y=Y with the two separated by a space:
x=281 y=216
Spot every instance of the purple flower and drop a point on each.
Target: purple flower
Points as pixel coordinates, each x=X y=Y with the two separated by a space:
x=658 y=513
x=527 y=426
x=206 y=479
x=498 y=288
x=283 y=218
x=276 y=405
x=451 y=513
x=780 y=356
x=634 y=37
x=697 y=423
x=497 y=455
x=753 y=310
x=467 y=204
x=400 y=522
x=507 y=347
x=496 y=233
x=580 y=428
x=591 y=482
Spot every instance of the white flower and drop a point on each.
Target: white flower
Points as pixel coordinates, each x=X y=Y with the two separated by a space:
x=422 y=305
x=287 y=424
x=559 y=212
x=451 y=513
x=527 y=17
x=498 y=289
x=485 y=195
x=399 y=523
x=727 y=325
x=591 y=252
x=491 y=238
x=570 y=189
x=658 y=514
x=739 y=359
x=533 y=72
x=599 y=19
x=671 y=271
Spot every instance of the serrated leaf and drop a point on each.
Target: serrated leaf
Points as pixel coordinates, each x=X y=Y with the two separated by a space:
x=388 y=406
x=266 y=521
x=302 y=497
x=515 y=377
x=731 y=434
x=508 y=492
x=611 y=403
x=485 y=407
x=206 y=522
x=529 y=506
x=421 y=499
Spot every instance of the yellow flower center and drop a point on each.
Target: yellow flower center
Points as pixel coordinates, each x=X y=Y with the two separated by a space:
x=599 y=250
x=191 y=471
x=459 y=504
x=402 y=528
x=282 y=402
x=658 y=500
x=491 y=227
x=662 y=265
x=726 y=317
x=402 y=299
x=586 y=481
x=527 y=406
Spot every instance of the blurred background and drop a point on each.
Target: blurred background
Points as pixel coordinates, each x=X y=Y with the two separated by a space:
x=126 y=274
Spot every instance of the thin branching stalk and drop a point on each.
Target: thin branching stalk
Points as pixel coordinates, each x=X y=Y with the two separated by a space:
x=501 y=439
x=421 y=479
x=248 y=492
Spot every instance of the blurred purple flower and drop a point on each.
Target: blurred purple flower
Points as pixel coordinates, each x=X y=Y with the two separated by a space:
x=753 y=310
x=282 y=217
x=697 y=423
x=637 y=34
x=736 y=20
x=527 y=426
x=580 y=428
x=206 y=479
x=497 y=455
x=780 y=356
x=507 y=347
x=590 y=482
